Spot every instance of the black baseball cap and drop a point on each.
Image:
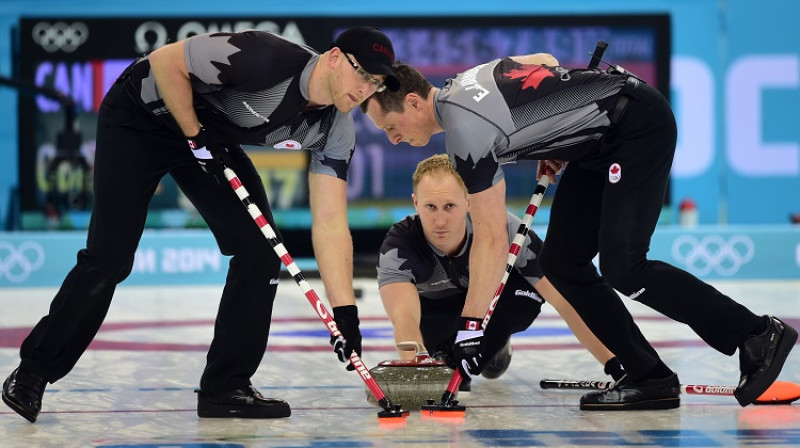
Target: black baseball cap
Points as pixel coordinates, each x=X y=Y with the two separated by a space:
x=372 y=49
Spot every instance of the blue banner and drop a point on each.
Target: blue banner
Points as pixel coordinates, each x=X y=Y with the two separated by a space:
x=192 y=256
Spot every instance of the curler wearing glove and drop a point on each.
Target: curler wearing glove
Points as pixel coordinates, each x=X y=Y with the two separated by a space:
x=210 y=155
x=349 y=340
x=468 y=346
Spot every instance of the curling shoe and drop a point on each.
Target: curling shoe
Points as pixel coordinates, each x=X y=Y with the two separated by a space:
x=499 y=363
x=22 y=392
x=761 y=359
x=642 y=394
x=246 y=402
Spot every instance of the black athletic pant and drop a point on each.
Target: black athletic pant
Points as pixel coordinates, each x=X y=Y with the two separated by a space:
x=592 y=214
x=515 y=312
x=134 y=151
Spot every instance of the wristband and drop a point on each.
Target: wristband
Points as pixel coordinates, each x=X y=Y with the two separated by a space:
x=469 y=323
x=198 y=141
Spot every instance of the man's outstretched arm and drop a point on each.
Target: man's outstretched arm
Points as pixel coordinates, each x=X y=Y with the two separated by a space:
x=489 y=253
x=330 y=233
x=537 y=58
x=401 y=302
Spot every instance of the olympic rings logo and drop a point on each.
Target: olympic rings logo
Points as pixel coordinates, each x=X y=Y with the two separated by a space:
x=63 y=36
x=18 y=263
x=713 y=253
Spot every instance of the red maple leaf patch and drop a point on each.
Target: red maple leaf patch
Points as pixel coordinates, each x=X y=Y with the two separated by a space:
x=614 y=169
x=533 y=74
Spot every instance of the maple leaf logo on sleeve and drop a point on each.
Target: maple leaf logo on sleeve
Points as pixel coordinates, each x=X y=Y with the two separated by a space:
x=532 y=75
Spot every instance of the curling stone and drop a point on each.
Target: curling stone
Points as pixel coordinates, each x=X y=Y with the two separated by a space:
x=411 y=383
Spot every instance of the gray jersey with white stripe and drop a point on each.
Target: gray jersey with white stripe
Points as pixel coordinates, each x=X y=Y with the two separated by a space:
x=503 y=111
x=252 y=88
x=406 y=256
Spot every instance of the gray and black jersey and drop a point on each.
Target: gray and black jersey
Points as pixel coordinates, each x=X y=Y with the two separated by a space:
x=504 y=111
x=406 y=256
x=251 y=88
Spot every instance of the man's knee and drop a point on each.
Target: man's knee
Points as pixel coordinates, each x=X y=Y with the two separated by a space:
x=110 y=266
x=562 y=270
x=259 y=253
x=621 y=275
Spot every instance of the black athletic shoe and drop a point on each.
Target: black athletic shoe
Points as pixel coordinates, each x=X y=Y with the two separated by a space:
x=241 y=403
x=22 y=392
x=761 y=359
x=662 y=393
x=499 y=364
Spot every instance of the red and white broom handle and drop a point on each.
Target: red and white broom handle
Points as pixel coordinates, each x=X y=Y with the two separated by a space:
x=777 y=392
x=513 y=252
x=298 y=277
x=691 y=389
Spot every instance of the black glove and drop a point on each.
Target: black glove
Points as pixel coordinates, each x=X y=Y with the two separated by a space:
x=210 y=155
x=468 y=347
x=346 y=318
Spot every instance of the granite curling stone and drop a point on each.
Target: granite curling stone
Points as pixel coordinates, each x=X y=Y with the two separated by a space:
x=411 y=383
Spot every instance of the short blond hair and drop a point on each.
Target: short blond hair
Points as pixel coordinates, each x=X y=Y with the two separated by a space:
x=437 y=165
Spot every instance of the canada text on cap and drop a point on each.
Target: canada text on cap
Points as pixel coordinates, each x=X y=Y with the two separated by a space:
x=372 y=49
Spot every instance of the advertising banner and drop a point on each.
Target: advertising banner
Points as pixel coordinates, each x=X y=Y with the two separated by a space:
x=81 y=58
x=192 y=257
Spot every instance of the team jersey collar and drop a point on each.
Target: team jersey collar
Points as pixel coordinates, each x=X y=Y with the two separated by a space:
x=306 y=75
x=437 y=94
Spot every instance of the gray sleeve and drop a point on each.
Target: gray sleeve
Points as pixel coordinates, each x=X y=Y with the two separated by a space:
x=390 y=269
x=334 y=158
x=471 y=145
x=203 y=51
x=527 y=262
